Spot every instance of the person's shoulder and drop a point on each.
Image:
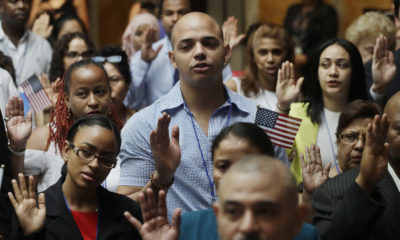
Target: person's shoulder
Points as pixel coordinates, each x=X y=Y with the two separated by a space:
x=307 y=232
x=298 y=109
x=196 y=217
x=38 y=40
x=5 y=77
x=38 y=138
x=339 y=184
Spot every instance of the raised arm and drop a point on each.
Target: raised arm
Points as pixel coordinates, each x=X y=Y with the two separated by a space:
x=31 y=214
x=166 y=155
x=375 y=156
x=383 y=67
x=287 y=87
x=155 y=221
x=19 y=130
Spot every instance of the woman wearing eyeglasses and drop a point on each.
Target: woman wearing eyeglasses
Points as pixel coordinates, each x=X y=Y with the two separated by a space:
x=76 y=206
x=85 y=90
x=115 y=62
x=350 y=135
x=69 y=49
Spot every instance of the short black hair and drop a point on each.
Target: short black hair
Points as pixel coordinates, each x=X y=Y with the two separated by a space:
x=396 y=8
x=248 y=131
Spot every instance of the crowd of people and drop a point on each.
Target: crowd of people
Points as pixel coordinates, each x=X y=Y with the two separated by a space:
x=157 y=139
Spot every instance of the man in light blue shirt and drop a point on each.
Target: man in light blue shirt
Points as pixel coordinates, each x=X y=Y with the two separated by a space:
x=198 y=107
x=152 y=73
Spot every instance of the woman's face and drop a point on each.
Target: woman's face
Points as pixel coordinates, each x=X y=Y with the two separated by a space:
x=94 y=139
x=77 y=50
x=69 y=26
x=351 y=143
x=269 y=55
x=117 y=84
x=89 y=92
x=334 y=71
x=230 y=150
x=138 y=37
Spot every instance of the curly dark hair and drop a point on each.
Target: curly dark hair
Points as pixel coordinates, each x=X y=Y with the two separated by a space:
x=60 y=49
x=122 y=66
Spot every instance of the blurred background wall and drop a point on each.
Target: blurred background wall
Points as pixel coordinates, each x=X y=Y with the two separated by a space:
x=109 y=17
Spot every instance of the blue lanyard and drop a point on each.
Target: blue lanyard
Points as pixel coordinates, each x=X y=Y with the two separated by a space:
x=210 y=180
x=97 y=228
x=330 y=141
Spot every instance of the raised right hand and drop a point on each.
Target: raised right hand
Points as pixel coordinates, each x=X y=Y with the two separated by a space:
x=155 y=221
x=287 y=88
x=313 y=173
x=148 y=53
x=31 y=215
x=375 y=155
x=19 y=128
x=166 y=151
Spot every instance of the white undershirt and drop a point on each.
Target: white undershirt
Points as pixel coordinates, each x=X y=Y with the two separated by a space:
x=396 y=179
x=327 y=140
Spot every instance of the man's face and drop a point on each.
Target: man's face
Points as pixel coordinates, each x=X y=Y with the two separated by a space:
x=255 y=206
x=16 y=11
x=199 y=53
x=393 y=137
x=173 y=10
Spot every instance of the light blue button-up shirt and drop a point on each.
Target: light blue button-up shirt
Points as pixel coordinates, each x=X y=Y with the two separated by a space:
x=152 y=80
x=191 y=189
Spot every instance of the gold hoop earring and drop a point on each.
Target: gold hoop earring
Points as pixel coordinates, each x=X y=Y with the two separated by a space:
x=69 y=115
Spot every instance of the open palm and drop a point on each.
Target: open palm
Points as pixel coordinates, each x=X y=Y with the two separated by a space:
x=31 y=214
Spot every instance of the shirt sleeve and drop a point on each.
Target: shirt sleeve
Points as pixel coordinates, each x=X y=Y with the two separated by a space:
x=35 y=162
x=137 y=90
x=137 y=162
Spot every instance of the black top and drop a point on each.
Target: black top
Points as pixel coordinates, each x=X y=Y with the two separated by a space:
x=344 y=211
x=5 y=205
x=60 y=223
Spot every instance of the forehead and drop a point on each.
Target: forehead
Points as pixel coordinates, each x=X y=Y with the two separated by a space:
x=358 y=124
x=96 y=135
x=263 y=187
x=196 y=28
x=89 y=74
x=334 y=52
x=175 y=5
x=77 y=43
x=267 y=42
x=235 y=146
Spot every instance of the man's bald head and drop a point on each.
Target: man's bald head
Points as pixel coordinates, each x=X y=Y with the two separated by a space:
x=393 y=104
x=264 y=165
x=258 y=200
x=392 y=109
x=194 y=19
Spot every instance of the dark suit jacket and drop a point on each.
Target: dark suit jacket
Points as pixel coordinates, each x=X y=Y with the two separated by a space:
x=5 y=205
x=393 y=86
x=60 y=224
x=344 y=211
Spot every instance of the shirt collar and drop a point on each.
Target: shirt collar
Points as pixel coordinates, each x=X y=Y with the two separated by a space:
x=3 y=34
x=396 y=179
x=174 y=99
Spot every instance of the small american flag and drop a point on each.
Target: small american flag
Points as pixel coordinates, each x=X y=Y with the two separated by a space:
x=35 y=93
x=281 y=128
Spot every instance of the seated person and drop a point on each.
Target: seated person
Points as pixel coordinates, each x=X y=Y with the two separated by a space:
x=77 y=207
x=363 y=203
x=257 y=200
